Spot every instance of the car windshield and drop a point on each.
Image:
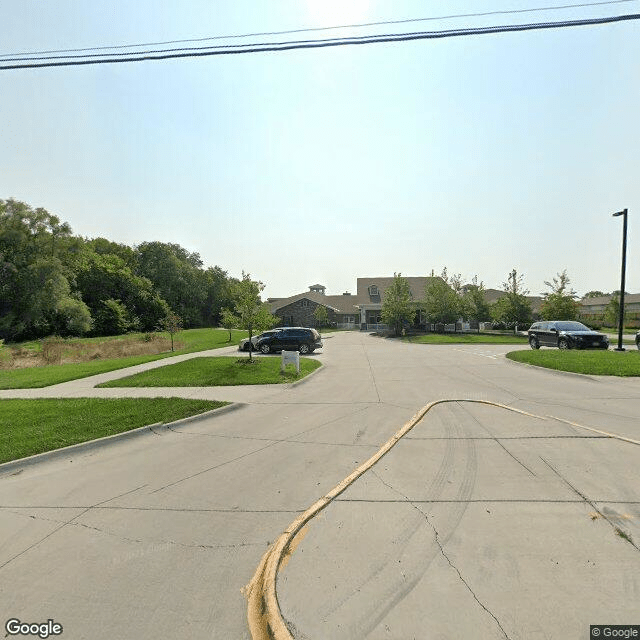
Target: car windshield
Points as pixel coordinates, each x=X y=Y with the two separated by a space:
x=571 y=326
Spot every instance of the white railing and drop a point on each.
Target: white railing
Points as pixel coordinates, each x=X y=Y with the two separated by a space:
x=347 y=325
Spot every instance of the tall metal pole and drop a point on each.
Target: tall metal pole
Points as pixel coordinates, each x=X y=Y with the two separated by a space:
x=622 y=213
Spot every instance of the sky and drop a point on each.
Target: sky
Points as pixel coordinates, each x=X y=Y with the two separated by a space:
x=480 y=154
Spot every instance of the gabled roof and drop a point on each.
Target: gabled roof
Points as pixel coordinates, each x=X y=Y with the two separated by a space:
x=417 y=285
x=339 y=304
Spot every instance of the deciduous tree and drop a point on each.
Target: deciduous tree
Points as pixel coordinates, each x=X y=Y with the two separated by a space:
x=397 y=307
x=561 y=303
x=253 y=314
x=441 y=303
x=513 y=308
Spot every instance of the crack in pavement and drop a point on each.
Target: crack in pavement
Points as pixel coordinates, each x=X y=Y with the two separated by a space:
x=444 y=553
x=291 y=440
x=250 y=453
x=64 y=524
x=178 y=509
x=590 y=503
x=143 y=541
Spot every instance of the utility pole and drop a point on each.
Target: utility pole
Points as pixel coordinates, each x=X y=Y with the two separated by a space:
x=622 y=213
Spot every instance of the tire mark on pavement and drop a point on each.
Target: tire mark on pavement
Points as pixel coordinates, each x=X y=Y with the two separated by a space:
x=496 y=440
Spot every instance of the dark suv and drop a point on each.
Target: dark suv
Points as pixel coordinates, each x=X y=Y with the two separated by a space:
x=291 y=339
x=638 y=339
x=565 y=334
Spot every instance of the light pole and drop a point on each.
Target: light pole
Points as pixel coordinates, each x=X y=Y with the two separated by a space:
x=624 y=267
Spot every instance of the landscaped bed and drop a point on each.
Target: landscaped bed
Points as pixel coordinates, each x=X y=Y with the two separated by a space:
x=600 y=363
x=217 y=371
x=28 y=427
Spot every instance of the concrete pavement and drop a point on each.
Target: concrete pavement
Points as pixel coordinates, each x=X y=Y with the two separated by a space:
x=156 y=536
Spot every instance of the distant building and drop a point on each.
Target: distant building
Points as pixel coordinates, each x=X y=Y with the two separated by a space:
x=346 y=311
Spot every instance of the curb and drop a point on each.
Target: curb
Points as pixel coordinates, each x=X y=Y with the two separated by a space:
x=263 y=610
x=309 y=375
x=83 y=447
x=571 y=374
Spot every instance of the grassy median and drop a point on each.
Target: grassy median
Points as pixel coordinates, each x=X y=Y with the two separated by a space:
x=28 y=427
x=218 y=371
x=597 y=363
x=189 y=341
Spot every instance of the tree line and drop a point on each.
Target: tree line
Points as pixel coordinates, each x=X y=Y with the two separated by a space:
x=53 y=282
x=446 y=300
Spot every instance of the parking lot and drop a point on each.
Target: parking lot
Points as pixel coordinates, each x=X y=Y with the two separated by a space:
x=481 y=521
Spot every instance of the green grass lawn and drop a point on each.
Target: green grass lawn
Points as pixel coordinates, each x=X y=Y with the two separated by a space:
x=219 y=371
x=465 y=338
x=28 y=427
x=37 y=377
x=601 y=363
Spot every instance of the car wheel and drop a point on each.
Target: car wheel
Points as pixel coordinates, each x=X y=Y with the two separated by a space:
x=533 y=342
x=304 y=348
x=563 y=343
x=265 y=348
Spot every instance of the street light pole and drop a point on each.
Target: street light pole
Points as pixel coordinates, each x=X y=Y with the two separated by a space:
x=624 y=268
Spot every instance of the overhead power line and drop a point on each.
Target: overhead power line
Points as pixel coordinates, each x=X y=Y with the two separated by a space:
x=314 y=44
x=316 y=29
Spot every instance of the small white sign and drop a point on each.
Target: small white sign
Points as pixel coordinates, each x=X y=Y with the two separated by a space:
x=290 y=357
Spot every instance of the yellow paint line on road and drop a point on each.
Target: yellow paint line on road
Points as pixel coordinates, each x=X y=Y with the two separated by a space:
x=604 y=433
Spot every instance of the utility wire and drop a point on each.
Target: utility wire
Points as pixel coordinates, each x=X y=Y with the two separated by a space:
x=314 y=44
x=312 y=29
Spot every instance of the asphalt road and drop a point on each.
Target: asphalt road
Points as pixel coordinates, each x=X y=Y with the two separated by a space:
x=481 y=523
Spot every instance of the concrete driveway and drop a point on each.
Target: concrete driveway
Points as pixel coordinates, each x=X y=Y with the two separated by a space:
x=482 y=521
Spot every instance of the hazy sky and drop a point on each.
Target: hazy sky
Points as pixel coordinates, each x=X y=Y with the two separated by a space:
x=480 y=153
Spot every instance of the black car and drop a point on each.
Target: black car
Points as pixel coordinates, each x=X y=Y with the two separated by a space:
x=245 y=344
x=291 y=339
x=565 y=334
x=638 y=339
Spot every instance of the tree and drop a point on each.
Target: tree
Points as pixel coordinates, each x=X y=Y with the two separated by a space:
x=594 y=294
x=172 y=324
x=104 y=277
x=513 y=308
x=177 y=276
x=397 y=307
x=36 y=293
x=441 y=303
x=229 y=321
x=112 y=318
x=252 y=313
x=322 y=315
x=561 y=303
x=612 y=311
x=476 y=307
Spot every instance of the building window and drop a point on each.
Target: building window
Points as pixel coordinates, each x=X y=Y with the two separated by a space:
x=373 y=290
x=304 y=303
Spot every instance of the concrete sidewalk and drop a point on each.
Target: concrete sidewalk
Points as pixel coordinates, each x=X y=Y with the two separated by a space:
x=86 y=387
